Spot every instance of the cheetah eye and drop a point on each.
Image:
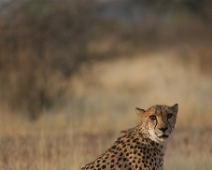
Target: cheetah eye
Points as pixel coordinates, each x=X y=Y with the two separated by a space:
x=169 y=116
x=152 y=117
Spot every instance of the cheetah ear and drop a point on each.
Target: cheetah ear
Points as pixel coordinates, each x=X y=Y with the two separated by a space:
x=139 y=111
x=175 y=108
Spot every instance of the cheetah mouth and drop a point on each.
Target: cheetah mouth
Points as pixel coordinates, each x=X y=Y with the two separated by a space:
x=163 y=136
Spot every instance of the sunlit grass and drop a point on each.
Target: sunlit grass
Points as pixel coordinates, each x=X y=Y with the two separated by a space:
x=53 y=143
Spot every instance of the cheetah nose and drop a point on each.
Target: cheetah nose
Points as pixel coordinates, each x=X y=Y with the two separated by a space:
x=163 y=129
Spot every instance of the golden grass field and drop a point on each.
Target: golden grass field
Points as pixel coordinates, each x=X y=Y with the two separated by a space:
x=103 y=105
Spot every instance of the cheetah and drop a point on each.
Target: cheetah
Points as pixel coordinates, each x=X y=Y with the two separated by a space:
x=142 y=147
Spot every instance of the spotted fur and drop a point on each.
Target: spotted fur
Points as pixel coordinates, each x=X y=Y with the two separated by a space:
x=142 y=147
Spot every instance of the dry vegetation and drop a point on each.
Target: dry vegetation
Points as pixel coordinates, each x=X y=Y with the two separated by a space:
x=80 y=77
x=84 y=128
x=55 y=143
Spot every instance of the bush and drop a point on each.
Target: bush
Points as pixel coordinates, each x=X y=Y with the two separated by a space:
x=41 y=42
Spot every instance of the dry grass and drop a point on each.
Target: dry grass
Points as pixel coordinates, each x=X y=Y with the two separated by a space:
x=54 y=143
x=103 y=105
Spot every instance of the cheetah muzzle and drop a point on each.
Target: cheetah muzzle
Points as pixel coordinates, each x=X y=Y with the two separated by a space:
x=142 y=147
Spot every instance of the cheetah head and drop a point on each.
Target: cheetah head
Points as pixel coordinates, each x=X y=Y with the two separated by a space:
x=158 y=121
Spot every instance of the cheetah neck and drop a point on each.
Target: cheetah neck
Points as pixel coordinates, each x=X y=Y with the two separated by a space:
x=146 y=135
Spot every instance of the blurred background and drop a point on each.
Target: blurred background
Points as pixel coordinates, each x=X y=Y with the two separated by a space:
x=72 y=73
